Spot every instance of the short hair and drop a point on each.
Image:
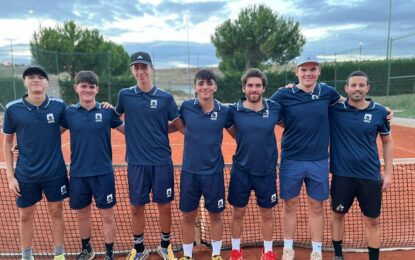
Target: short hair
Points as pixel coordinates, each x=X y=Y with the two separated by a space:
x=86 y=76
x=357 y=73
x=204 y=74
x=254 y=73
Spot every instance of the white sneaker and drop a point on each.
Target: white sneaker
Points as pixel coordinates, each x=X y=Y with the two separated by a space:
x=316 y=256
x=288 y=254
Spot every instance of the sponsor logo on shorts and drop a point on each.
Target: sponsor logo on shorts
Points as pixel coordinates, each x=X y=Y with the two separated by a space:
x=153 y=103
x=169 y=192
x=367 y=118
x=98 y=117
x=266 y=113
x=340 y=208
x=110 y=198
x=214 y=116
x=50 y=118
x=220 y=203
x=273 y=198
x=63 y=190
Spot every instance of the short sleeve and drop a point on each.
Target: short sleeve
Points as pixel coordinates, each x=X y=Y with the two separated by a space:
x=229 y=118
x=334 y=95
x=119 y=108
x=8 y=125
x=384 y=127
x=173 y=110
x=115 y=119
x=64 y=122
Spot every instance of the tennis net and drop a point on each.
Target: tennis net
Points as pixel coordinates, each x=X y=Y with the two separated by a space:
x=397 y=220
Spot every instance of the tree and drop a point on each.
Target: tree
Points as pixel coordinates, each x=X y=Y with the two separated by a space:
x=258 y=37
x=71 y=48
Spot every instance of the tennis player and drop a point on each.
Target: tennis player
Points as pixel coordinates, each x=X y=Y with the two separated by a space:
x=148 y=110
x=254 y=163
x=304 y=151
x=35 y=120
x=202 y=173
x=354 y=161
x=92 y=174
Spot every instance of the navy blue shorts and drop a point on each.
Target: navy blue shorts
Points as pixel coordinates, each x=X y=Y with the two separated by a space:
x=54 y=190
x=159 y=180
x=101 y=187
x=368 y=193
x=315 y=175
x=242 y=183
x=193 y=186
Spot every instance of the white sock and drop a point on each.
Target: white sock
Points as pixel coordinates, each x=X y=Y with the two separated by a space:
x=267 y=246
x=236 y=244
x=187 y=249
x=216 y=247
x=316 y=246
x=288 y=243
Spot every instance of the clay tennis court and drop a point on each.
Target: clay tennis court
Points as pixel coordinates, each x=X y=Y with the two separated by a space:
x=404 y=139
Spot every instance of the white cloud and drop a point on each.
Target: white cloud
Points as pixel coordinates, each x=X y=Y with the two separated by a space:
x=317 y=34
x=21 y=30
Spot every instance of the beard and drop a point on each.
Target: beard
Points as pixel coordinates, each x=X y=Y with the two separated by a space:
x=254 y=98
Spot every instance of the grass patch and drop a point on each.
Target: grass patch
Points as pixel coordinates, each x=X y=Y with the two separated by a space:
x=402 y=105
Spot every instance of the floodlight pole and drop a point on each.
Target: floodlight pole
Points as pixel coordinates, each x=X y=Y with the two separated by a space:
x=388 y=52
x=13 y=72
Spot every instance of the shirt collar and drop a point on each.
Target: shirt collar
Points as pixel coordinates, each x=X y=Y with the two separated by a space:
x=216 y=106
x=316 y=90
x=30 y=106
x=370 y=106
x=240 y=106
x=97 y=105
x=152 y=91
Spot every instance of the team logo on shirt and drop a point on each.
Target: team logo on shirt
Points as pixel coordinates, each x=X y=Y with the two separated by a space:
x=220 y=203
x=110 y=198
x=153 y=103
x=214 y=116
x=168 y=192
x=367 y=118
x=266 y=113
x=50 y=118
x=340 y=208
x=314 y=96
x=63 y=190
x=98 y=117
x=273 y=198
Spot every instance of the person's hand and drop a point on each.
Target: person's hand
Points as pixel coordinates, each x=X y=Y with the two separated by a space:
x=107 y=105
x=389 y=117
x=15 y=151
x=387 y=181
x=291 y=85
x=14 y=186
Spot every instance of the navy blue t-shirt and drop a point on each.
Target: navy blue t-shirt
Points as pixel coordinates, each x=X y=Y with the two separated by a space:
x=38 y=136
x=353 y=133
x=306 y=121
x=90 y=131
x=256 y=150
x=146 y=124
x=203 y=137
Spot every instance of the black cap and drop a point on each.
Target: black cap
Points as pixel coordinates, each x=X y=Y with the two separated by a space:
x=35 y=69
x=141 y=57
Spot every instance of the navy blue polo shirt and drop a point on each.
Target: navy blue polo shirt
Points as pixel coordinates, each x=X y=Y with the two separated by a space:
x=306 y=121
x=256 y=145
x=38 y=136
x=353 y=133
x=146 y=124
x=203 y=136
x=90 y=131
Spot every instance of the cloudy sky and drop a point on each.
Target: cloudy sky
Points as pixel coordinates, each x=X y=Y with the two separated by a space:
x=160 y=26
